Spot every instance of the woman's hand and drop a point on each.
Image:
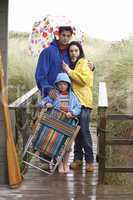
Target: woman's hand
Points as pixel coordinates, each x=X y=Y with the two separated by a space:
x=65 y=67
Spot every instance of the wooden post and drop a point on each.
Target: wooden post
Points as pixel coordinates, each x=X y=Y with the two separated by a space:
x=102 y=108
x=3 y=46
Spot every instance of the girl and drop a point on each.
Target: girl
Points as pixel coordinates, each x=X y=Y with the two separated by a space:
x=82 y=82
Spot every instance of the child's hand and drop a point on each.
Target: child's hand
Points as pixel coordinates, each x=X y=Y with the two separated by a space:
x=69 y=115
x=49 y=105
x=65 y=67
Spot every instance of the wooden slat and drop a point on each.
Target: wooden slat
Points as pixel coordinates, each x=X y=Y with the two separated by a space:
x=119 y=169
x=23 y=99
x=103 y=100
x=119 y=141
x=120 y=117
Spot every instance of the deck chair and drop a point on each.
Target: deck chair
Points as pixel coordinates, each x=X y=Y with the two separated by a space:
x=52 y=137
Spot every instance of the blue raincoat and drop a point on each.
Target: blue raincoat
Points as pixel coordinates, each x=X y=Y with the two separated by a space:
x=49 y=65
x=74 y=104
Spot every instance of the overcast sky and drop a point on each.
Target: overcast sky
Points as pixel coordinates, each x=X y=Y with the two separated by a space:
x=105 y=19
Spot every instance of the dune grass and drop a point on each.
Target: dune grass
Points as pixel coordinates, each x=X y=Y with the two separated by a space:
x=21 y=67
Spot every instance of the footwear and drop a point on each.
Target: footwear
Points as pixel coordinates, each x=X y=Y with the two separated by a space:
x=89 y=167
x=76 y=164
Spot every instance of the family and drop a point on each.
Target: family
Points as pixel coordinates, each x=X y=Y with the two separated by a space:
x=65 y=79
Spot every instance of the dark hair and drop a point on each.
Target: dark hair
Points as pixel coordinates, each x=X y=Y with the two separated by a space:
x=65 y=28
x=81 y=52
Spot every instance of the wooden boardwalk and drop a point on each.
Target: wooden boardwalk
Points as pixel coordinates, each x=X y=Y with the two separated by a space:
x=76 y=185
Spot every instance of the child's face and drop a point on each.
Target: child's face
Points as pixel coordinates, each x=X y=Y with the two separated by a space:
x=74 y=52
x=63 y=86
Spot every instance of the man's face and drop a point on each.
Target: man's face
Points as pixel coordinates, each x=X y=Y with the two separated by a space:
x=65 y=37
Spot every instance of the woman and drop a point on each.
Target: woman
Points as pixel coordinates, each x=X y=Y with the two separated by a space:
x=82 y=83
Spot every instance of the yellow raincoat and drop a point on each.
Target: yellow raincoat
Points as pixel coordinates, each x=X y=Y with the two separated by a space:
x=82 y=82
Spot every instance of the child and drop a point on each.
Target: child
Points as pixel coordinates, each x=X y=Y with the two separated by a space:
x=65 y=101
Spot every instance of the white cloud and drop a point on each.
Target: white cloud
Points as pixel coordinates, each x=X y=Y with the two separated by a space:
x=107 y=19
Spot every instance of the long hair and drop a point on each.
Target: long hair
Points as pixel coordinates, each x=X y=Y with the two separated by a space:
x=81 y=52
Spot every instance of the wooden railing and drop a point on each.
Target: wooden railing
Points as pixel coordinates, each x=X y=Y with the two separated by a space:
x=103 y=140
x=23 y=114
x=24 y=100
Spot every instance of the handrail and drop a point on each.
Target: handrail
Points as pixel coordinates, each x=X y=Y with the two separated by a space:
x=21 y=100
x=120 y=116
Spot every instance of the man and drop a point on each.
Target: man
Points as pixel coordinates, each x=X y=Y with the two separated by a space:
x=50 y=61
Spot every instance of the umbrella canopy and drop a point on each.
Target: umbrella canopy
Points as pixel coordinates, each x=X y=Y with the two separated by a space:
x=44 y=31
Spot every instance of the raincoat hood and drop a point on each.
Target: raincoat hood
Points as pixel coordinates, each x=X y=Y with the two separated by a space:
x=63 y=77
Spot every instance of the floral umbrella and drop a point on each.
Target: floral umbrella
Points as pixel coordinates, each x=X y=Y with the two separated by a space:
x=43 y=32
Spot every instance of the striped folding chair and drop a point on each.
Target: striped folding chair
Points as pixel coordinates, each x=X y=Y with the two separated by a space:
x=53 y=136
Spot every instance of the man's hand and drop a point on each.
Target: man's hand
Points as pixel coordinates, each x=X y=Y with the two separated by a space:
x=91 y=65
x=53 y=94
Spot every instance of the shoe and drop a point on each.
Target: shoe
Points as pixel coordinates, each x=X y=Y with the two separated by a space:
x=89 y=167
x=76 y=164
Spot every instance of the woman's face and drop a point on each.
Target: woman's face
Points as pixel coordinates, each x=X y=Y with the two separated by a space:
x=74 y=52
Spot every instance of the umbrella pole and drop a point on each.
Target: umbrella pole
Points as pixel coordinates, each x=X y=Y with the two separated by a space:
x=14 y=174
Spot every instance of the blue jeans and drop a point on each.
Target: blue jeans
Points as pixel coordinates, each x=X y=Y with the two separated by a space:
x=83 y=140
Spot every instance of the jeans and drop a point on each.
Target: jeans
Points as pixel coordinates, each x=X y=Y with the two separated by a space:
x=83 y=140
